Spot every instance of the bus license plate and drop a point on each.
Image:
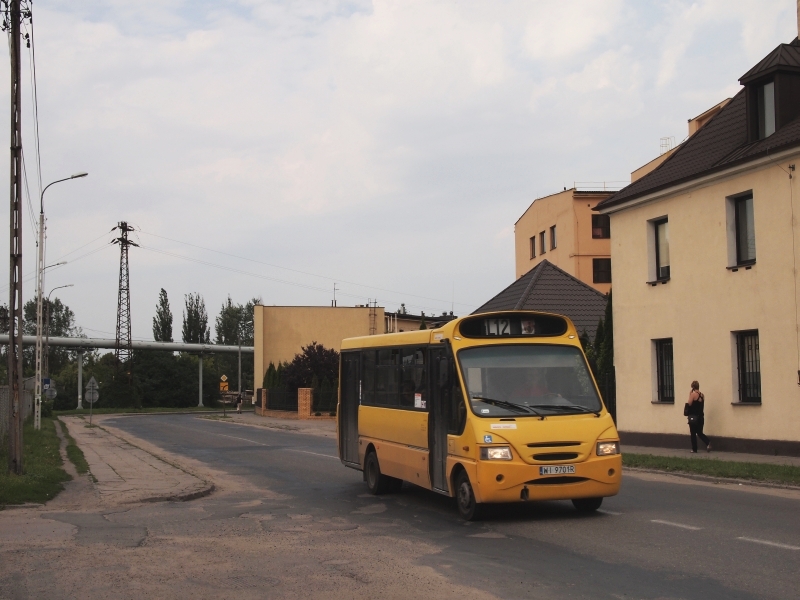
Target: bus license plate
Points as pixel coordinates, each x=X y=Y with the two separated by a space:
x=557 y=470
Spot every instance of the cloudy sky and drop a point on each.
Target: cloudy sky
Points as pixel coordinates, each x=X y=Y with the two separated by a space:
x=273 y=148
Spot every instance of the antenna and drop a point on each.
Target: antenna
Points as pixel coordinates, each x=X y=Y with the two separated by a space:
x=335 y=289
x=124 y=350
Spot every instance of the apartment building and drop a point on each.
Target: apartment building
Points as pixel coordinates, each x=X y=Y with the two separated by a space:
x=705 y=258
x=563 y=229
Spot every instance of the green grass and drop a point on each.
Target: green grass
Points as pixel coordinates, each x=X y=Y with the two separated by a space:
x=135 y=411
x=784 y=474
x=74 y=453
x=44 y=475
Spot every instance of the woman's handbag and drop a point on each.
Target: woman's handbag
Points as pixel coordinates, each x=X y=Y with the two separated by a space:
x=686 y=410
x=693 y=419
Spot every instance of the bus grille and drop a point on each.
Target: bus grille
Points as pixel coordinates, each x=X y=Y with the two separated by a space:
x=556 y=456
x=556 y=480
x=553 y=444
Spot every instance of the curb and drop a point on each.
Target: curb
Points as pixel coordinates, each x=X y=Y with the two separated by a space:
x=711 y=479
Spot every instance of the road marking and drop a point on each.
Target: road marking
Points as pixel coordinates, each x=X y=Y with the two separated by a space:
x=314 y=453
x=766 y=543
x=608 y=512
x=233 y=437
x=681 y=525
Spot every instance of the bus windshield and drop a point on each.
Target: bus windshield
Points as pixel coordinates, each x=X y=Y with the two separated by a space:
x=528 y=380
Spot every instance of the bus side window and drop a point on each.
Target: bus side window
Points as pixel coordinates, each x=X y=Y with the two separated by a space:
x=412 y=388
x=387 y=377
x=368 y=378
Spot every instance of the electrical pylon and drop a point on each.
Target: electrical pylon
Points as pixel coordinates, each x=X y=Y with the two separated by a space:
x=124 y=351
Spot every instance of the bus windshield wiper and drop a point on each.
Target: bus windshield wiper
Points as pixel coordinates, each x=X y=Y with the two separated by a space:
x=575 y=407
x=508 y=405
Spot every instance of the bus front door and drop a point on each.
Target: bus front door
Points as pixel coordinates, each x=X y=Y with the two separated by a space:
x=438 y=414
x=350 y=400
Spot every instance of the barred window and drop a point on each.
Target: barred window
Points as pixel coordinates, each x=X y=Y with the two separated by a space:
x=749 y=364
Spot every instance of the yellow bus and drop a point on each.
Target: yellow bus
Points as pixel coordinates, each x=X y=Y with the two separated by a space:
x=489 y=408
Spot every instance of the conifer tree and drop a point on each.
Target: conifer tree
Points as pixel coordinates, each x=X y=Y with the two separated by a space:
x=162 y=322
x=195 y=321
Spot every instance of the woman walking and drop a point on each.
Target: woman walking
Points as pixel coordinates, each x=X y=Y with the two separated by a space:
x=694 y=412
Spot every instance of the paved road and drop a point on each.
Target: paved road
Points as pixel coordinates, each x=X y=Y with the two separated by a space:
x=662 y=537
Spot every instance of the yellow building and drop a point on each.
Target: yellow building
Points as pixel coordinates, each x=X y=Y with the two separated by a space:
x=563 y=229
x=281 y=331
x=705 y=254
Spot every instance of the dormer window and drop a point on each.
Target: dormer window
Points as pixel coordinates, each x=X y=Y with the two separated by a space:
x=765 y=105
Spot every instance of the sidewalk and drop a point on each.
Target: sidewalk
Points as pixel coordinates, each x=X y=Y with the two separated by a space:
x=126 y=474
x=713 y=455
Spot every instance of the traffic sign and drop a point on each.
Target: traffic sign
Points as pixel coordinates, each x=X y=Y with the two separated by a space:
x=51 y=393
x=224 y=378
x=45 y=383
x=92 y=394
x=223 y=386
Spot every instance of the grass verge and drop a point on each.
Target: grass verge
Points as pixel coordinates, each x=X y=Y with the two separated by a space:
x=44 y=475
x=783 y=474
x=74 y=453
x=135 y=411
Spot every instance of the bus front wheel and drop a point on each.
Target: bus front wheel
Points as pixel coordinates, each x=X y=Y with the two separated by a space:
x=468 y=507
x=587 y=505
x=377 y=482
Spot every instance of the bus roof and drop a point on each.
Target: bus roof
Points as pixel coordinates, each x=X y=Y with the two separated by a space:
x=426 y=336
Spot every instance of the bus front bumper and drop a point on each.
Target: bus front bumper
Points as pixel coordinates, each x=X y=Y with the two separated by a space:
x=500 y=481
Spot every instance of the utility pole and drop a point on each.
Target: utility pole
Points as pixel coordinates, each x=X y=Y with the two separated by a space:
x=124 y=350
x=12 y=17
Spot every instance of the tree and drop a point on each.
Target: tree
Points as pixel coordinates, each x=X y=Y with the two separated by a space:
x=233 y=325
x=195 y=321
x=162 y=322
x=315 y=361
x=61 y=322
x=228 y=323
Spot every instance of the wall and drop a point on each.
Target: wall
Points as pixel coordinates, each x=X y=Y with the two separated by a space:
x=703 y=303
x=281 y=331
x=571 y=212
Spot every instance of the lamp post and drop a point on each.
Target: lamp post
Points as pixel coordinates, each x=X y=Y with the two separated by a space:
x=40 y=268
x=47 y=330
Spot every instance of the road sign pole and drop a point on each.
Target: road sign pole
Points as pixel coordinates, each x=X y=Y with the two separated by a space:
x=200 y=404
x=80 y=379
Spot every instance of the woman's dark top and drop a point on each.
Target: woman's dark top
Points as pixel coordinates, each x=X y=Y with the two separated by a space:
x=696 y=407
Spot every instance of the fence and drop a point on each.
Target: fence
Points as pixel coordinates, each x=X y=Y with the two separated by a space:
x=5 y=409
x=282 y=400
x=325 y=402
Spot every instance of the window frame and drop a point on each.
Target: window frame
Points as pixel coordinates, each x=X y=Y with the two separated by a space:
x=553 y=241
x=737 y=224
x=533 y=247
x=601 y=224
x=595 y=270
x=665 y=371
x=765 y=127
x=743 y=358
x=659 y=276
x=542 y=242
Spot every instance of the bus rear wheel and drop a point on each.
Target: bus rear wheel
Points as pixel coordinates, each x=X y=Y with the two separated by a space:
x=587 y=505
x=468 y=507
x=377 y=482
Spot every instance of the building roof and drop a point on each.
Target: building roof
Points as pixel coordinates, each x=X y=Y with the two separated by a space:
x=550 y=289
x=786 y=57
x=722 y=143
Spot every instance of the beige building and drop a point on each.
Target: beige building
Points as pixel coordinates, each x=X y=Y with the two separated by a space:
x=705 y=254
x=281 y=331
x=563 y=229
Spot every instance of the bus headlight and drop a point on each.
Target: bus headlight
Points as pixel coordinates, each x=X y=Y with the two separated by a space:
x=607 y=448
x=496 y=453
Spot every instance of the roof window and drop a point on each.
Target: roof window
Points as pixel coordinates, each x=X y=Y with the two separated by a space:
x=765 y=105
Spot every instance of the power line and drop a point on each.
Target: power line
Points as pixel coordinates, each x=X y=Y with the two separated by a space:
x=258 y=275
x=336 y=279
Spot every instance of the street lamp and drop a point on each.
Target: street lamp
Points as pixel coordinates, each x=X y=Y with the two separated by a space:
x=40 y=268
x=47 y=329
